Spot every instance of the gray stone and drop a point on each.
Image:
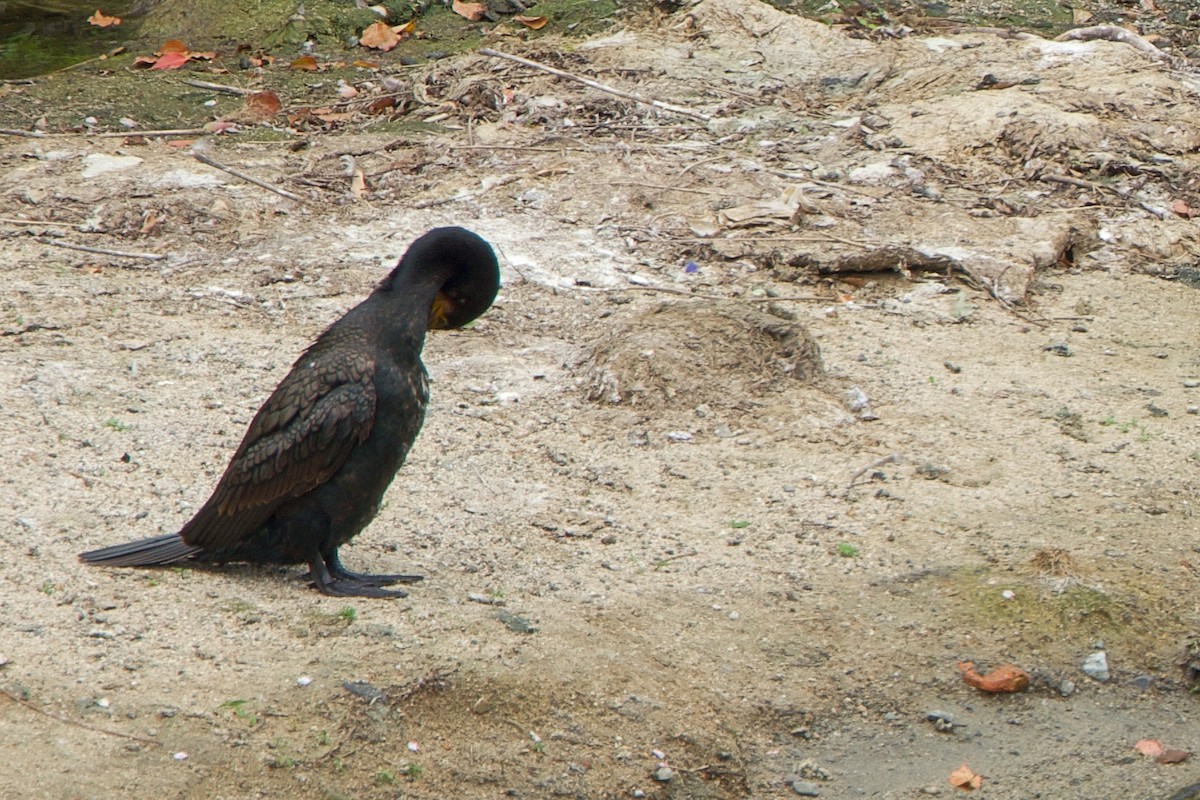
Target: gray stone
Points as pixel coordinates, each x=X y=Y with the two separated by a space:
x=806 y=788
x=1096 y=666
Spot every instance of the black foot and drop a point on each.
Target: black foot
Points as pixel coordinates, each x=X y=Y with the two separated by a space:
x=340 y=573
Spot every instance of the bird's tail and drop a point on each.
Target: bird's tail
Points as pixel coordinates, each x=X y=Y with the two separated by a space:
x=143 y=552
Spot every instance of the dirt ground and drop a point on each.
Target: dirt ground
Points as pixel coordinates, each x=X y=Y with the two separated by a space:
x=671 y=551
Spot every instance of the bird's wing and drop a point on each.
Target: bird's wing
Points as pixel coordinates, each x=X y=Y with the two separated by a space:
x=301 y=436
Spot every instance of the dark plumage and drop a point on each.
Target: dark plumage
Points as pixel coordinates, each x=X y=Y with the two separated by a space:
x=319 y=455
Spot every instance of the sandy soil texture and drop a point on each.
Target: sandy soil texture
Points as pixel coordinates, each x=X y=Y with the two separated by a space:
x=778 y=417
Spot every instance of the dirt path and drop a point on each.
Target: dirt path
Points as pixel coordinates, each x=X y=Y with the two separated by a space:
x=697 y=591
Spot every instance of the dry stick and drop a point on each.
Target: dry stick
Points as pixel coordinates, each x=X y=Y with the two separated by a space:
x=18 y=132
x=22 y=702
x=687 y=112
x=11 y=221
x=203 y=159
x=218 y=87
x=100 y=250
x=676 y=188
x=1112 y=33
x=798 y=298
x=890 y=458
x=150 y=134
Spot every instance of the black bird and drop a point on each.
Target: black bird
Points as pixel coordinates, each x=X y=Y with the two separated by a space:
x=319 y=455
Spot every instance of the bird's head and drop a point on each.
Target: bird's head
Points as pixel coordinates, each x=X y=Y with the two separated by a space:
x=466 y=268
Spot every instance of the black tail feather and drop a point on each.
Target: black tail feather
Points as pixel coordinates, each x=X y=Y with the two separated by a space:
x=143 y=552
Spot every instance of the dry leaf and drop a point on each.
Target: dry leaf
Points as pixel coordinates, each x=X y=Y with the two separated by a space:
x=170 y=61
x=345 y=90
x=145 y=61
x=262 y=105
x=380 y=36
x=1081 y=16
x=181 y=144
x=381 y=104
x=172 y=46
x=305 y=63
x=406 y=28
x=149 y=221
x=380 y=10
x=358 y=183
x=1150 y=748
x=472 y=11
x=536 y=23
x=364 y=64
x=965 y=778
x=1173 y=757
x=101 y=21
x=1007 y=678
x=1182 y=209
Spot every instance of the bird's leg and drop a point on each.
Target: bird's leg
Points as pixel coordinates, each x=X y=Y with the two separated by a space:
x=337 y=570
x=330 y=584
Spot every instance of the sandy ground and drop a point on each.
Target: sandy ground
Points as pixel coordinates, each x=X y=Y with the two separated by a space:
x=734 y=581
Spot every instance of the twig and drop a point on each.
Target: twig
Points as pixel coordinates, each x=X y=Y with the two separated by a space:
x=217 y=87
x=687 y=112
x=1067 y=180
x=890 y=458
x=26 y=704
x=203 y=159
x=152 y=134
x=18 y=132
x=799 y=298
x=675 y=188
x=1112 y=33
x=99 y=250
x=12 y=221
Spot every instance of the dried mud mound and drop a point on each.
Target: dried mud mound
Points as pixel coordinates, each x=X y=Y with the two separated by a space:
x=694 y=353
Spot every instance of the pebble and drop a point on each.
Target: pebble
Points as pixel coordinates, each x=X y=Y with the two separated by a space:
x=1066 y=688
x=1096 y=666
x=638 y=793
x=1193 y=409
x=1059 y=349
x=180 y=756
x=1143 y=682
x=663 y=774
x=805 y=788
x=303 y=680
x=1191 y=384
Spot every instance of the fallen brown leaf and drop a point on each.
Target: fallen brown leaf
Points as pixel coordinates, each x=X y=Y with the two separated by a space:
x=1173 y=757
x=305 y=63
x=1006 y=678
x=100 y=20
x=379 y=36
x=1182 y=209
x=472 y=11
x=172 y=46
x=965 y=778
x=263 y=105
x=536 y=23
x=1150 y=748
x=170 y=60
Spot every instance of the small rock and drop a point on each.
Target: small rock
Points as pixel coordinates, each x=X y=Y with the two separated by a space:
x=806 y=788
x=180 y=756
x=303 y=680
x=933 y=791
x=1193 y=409
x=1066 y=688
x=1191 y=384
x=663 y=774
x=1156 y=410
x=1059 y=349
x=1096 y=666
x=1143 y=682
x=638 y=793
x=167 y=713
